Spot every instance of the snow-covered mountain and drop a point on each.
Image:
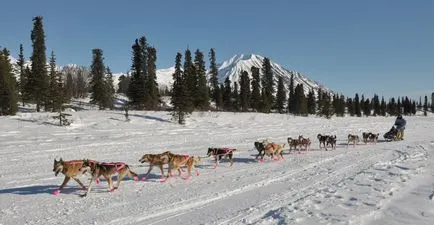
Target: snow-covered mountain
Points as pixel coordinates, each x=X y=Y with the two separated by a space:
x=231 y=68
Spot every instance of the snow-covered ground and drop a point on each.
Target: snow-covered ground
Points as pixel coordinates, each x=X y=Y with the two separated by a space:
x=383 y=183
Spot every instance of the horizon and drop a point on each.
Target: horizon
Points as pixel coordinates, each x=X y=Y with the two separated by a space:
x=370 y=47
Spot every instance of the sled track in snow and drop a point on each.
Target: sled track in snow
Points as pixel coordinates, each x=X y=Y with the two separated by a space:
x=161 y=215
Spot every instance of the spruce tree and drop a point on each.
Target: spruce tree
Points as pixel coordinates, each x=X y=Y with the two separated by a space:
x=109 y=89
x=23 y=77
x=214 y=75
x=311 y=103
x=367 y=107
x=38 y=80
x=376 y=104
x=202 y=93
x=190 y=80
x=392 y=107
x=123 y=84
x=8 y=91
x=350 y=106
x=319 y=101
x=227 y=94
x=256 y=87
x=136 y=88
x=383 y=107
x=152 y=85
x=55 y=96
x=357 y=108
x=425 y=106
x=280 y=96
x=98 y=87
x=245 y=91
x=178 y=97
x=267 y=86
x=235 y=99
x=432 y=102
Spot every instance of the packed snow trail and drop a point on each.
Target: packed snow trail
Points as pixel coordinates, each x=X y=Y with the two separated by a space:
x=347 y=185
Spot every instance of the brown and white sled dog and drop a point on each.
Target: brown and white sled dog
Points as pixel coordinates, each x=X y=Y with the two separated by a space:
x=176 y=161
x=70 y=169
x=156 y=160
x=107 y=170
x=272 y=149
x=353 y=138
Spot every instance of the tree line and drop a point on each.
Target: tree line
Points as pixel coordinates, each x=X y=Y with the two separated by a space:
x=192 y=90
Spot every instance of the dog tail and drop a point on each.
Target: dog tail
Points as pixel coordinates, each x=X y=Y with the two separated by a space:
x=131 y=173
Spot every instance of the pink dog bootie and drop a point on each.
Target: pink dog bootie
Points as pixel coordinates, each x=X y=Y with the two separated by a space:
x=56 y=192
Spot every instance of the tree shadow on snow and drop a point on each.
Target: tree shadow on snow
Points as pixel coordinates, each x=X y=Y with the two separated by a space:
x=146 y=117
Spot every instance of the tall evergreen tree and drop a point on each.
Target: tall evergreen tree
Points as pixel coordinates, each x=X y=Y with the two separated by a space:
x=235 y=99
x=280 y=96
x=227 y=94
x=339 y=105
x=392 y=107
x=399 y=106
x=136 y=89
x=367 y=107
x=179 y=93
x=425 y=106
x=376 y=104
x=190 y=80
x=109 y=89
x=23 y=76
x=39 y=78
x=245 y=91
x=153 y=98
x=350 y=106
x=267 y=86
x=256 y=87
x=214 y=75
x=202 y=94
x=98 y=87
x=383 y=107
x=311 y=103
x=319 y=101
x=8 y=91
x=326 y=109
x=55 y=96
x=123 y=84
x=432 y=102
x=357 y=108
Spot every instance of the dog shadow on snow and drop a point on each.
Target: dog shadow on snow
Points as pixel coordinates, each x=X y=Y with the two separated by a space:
x=38 y=189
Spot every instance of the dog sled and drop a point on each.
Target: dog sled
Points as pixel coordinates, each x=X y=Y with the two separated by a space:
x=392 y=134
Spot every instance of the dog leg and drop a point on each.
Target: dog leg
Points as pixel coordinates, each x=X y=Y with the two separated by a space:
x=89 y=187
x=65 y=181
x=150 y=168
x=110 y=183
x=79 y=182
x=162 y=172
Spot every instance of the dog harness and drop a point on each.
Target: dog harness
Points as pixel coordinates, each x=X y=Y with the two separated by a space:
x=118 y=165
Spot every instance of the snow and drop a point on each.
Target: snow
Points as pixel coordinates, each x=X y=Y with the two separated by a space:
x=383 y=183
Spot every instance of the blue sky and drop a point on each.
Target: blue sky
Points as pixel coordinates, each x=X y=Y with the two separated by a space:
x=365 y=47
